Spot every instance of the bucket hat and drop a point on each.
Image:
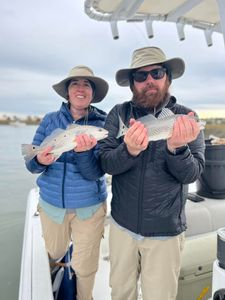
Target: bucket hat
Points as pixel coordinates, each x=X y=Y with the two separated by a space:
x=101 y=86
x=150 y=56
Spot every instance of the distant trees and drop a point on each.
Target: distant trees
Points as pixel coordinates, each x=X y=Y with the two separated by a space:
x=13 y=119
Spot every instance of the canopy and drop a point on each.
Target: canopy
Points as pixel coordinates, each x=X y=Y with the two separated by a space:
x=207 y=15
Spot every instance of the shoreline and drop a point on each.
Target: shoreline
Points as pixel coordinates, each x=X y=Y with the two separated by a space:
x=19 y=123
x=214 y=126
x=14 y=120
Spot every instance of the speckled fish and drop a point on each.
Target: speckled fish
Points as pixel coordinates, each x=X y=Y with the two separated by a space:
x=160 y=128
x=62 y=140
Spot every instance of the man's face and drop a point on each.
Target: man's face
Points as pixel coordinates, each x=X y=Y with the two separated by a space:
x=150 y=92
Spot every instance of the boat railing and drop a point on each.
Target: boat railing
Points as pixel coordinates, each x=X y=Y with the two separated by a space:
x=35 y=281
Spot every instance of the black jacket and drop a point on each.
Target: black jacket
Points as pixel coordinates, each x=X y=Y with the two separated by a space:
x=150 y=190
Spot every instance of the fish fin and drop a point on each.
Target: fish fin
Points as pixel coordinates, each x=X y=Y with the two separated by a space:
x=56 y=156
x=202 y=124
x=80 y=129
x=29 y=151
x=147 y=119
x=165 y=112
x=122 y=128
x=72 y=126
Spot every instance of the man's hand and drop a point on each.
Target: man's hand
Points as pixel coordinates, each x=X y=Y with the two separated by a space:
x=185 y=130
x=136 y=138
x=45 y=157
x=84 y=143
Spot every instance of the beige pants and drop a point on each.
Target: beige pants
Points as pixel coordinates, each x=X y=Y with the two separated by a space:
x=157 y=261
x=86 y=236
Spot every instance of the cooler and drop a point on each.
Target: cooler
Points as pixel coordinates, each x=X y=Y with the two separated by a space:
x=218 y=277
x=195 y=280
x=218 y=283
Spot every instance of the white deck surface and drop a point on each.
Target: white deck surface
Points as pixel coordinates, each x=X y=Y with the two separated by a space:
x=101 y=289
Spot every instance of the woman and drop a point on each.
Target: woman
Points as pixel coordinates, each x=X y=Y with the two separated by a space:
x=72 y=188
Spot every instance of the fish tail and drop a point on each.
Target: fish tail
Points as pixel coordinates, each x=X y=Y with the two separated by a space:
x=122 y=128
x=202 y=124
x=29 y=151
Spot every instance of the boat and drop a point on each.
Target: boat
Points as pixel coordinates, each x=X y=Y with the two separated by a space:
x=17 y=124
x=200 y=276
x=204 y=217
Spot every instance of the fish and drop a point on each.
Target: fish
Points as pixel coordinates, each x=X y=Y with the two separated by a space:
x=160 y=128
x=62 y=140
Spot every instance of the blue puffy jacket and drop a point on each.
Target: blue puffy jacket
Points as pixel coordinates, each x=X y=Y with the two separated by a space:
x=75 y=179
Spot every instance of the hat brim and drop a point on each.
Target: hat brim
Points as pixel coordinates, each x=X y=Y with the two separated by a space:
x=176 y=66
x=101 y=87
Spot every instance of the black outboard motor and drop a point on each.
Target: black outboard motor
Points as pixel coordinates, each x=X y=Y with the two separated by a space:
x=219 y=295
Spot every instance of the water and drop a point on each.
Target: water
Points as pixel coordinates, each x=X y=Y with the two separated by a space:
x=15 y=183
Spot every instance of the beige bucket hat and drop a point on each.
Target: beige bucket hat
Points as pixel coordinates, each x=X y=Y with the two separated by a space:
x=150 y=56
x=101 y=86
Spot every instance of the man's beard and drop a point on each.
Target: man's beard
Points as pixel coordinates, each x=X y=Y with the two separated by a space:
x=147 y=100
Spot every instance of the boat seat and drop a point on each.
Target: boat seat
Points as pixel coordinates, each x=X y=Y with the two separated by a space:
x=205 y=216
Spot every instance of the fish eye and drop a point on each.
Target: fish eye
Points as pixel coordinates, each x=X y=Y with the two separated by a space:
x=100 y=129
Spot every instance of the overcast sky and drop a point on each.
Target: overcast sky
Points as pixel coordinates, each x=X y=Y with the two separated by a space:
x=42 y=40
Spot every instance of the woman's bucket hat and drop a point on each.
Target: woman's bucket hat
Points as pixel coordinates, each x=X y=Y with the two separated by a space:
x=101 y=86
x=150 y=56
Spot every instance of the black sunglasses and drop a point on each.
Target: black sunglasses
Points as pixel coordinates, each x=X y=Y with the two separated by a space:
x=141 y=76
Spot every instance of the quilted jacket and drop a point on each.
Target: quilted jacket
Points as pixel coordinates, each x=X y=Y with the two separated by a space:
x=75 y=179
x=149 y=191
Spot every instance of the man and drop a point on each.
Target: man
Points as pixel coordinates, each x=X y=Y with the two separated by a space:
x=150 y=180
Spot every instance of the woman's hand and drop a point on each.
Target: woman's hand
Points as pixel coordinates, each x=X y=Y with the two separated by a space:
x=45 y=157
x=84 y=143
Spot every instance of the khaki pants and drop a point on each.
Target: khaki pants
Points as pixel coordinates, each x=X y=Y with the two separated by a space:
x=86 y=236
x=157 y=261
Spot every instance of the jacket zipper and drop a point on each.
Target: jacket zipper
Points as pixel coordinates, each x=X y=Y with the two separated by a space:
x=140 y=195
x=63 y=183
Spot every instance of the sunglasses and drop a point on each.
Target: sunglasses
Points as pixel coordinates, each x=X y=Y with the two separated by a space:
x=141 y=76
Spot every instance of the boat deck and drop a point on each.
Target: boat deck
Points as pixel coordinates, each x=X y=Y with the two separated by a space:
x=203 y=219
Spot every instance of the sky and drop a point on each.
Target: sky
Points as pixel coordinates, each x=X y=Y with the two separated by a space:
x=42 y=40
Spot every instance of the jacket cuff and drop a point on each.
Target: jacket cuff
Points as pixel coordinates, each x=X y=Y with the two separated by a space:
x=34 y=165
x=177 y=151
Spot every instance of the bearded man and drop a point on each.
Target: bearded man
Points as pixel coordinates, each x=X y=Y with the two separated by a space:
x=149 y=180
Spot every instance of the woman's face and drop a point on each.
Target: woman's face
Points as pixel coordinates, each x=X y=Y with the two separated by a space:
x=80 y=93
